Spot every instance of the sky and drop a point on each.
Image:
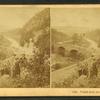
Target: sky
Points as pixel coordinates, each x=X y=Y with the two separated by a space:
x=76 y=17
x=16 y=17
x=13 y=17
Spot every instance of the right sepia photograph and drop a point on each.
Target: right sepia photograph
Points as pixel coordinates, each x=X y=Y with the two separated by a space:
x=75 y=47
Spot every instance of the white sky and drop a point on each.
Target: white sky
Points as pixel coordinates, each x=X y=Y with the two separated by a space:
x=16 y=17
x=78 y=17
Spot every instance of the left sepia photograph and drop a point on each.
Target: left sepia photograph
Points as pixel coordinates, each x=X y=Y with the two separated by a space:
x=24 y=47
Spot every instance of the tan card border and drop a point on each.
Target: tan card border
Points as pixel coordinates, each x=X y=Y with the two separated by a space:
x=51 y=91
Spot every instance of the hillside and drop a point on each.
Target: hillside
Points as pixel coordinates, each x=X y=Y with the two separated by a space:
x=35 y=26
x=5 y=50
x=4 y=41
x=14 y=34
x=94 y=35
x=58 y=36
x=68 y=40
x=69 y=30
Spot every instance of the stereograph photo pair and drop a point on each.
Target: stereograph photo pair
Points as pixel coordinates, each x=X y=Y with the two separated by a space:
x=49 y=50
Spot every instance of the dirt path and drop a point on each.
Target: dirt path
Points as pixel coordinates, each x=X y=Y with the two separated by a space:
x=61 y=74
x=64 y=73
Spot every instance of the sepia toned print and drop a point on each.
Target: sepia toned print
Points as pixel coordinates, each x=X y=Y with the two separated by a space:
x=49 y=50
x=75 y=47
x=24 y=47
